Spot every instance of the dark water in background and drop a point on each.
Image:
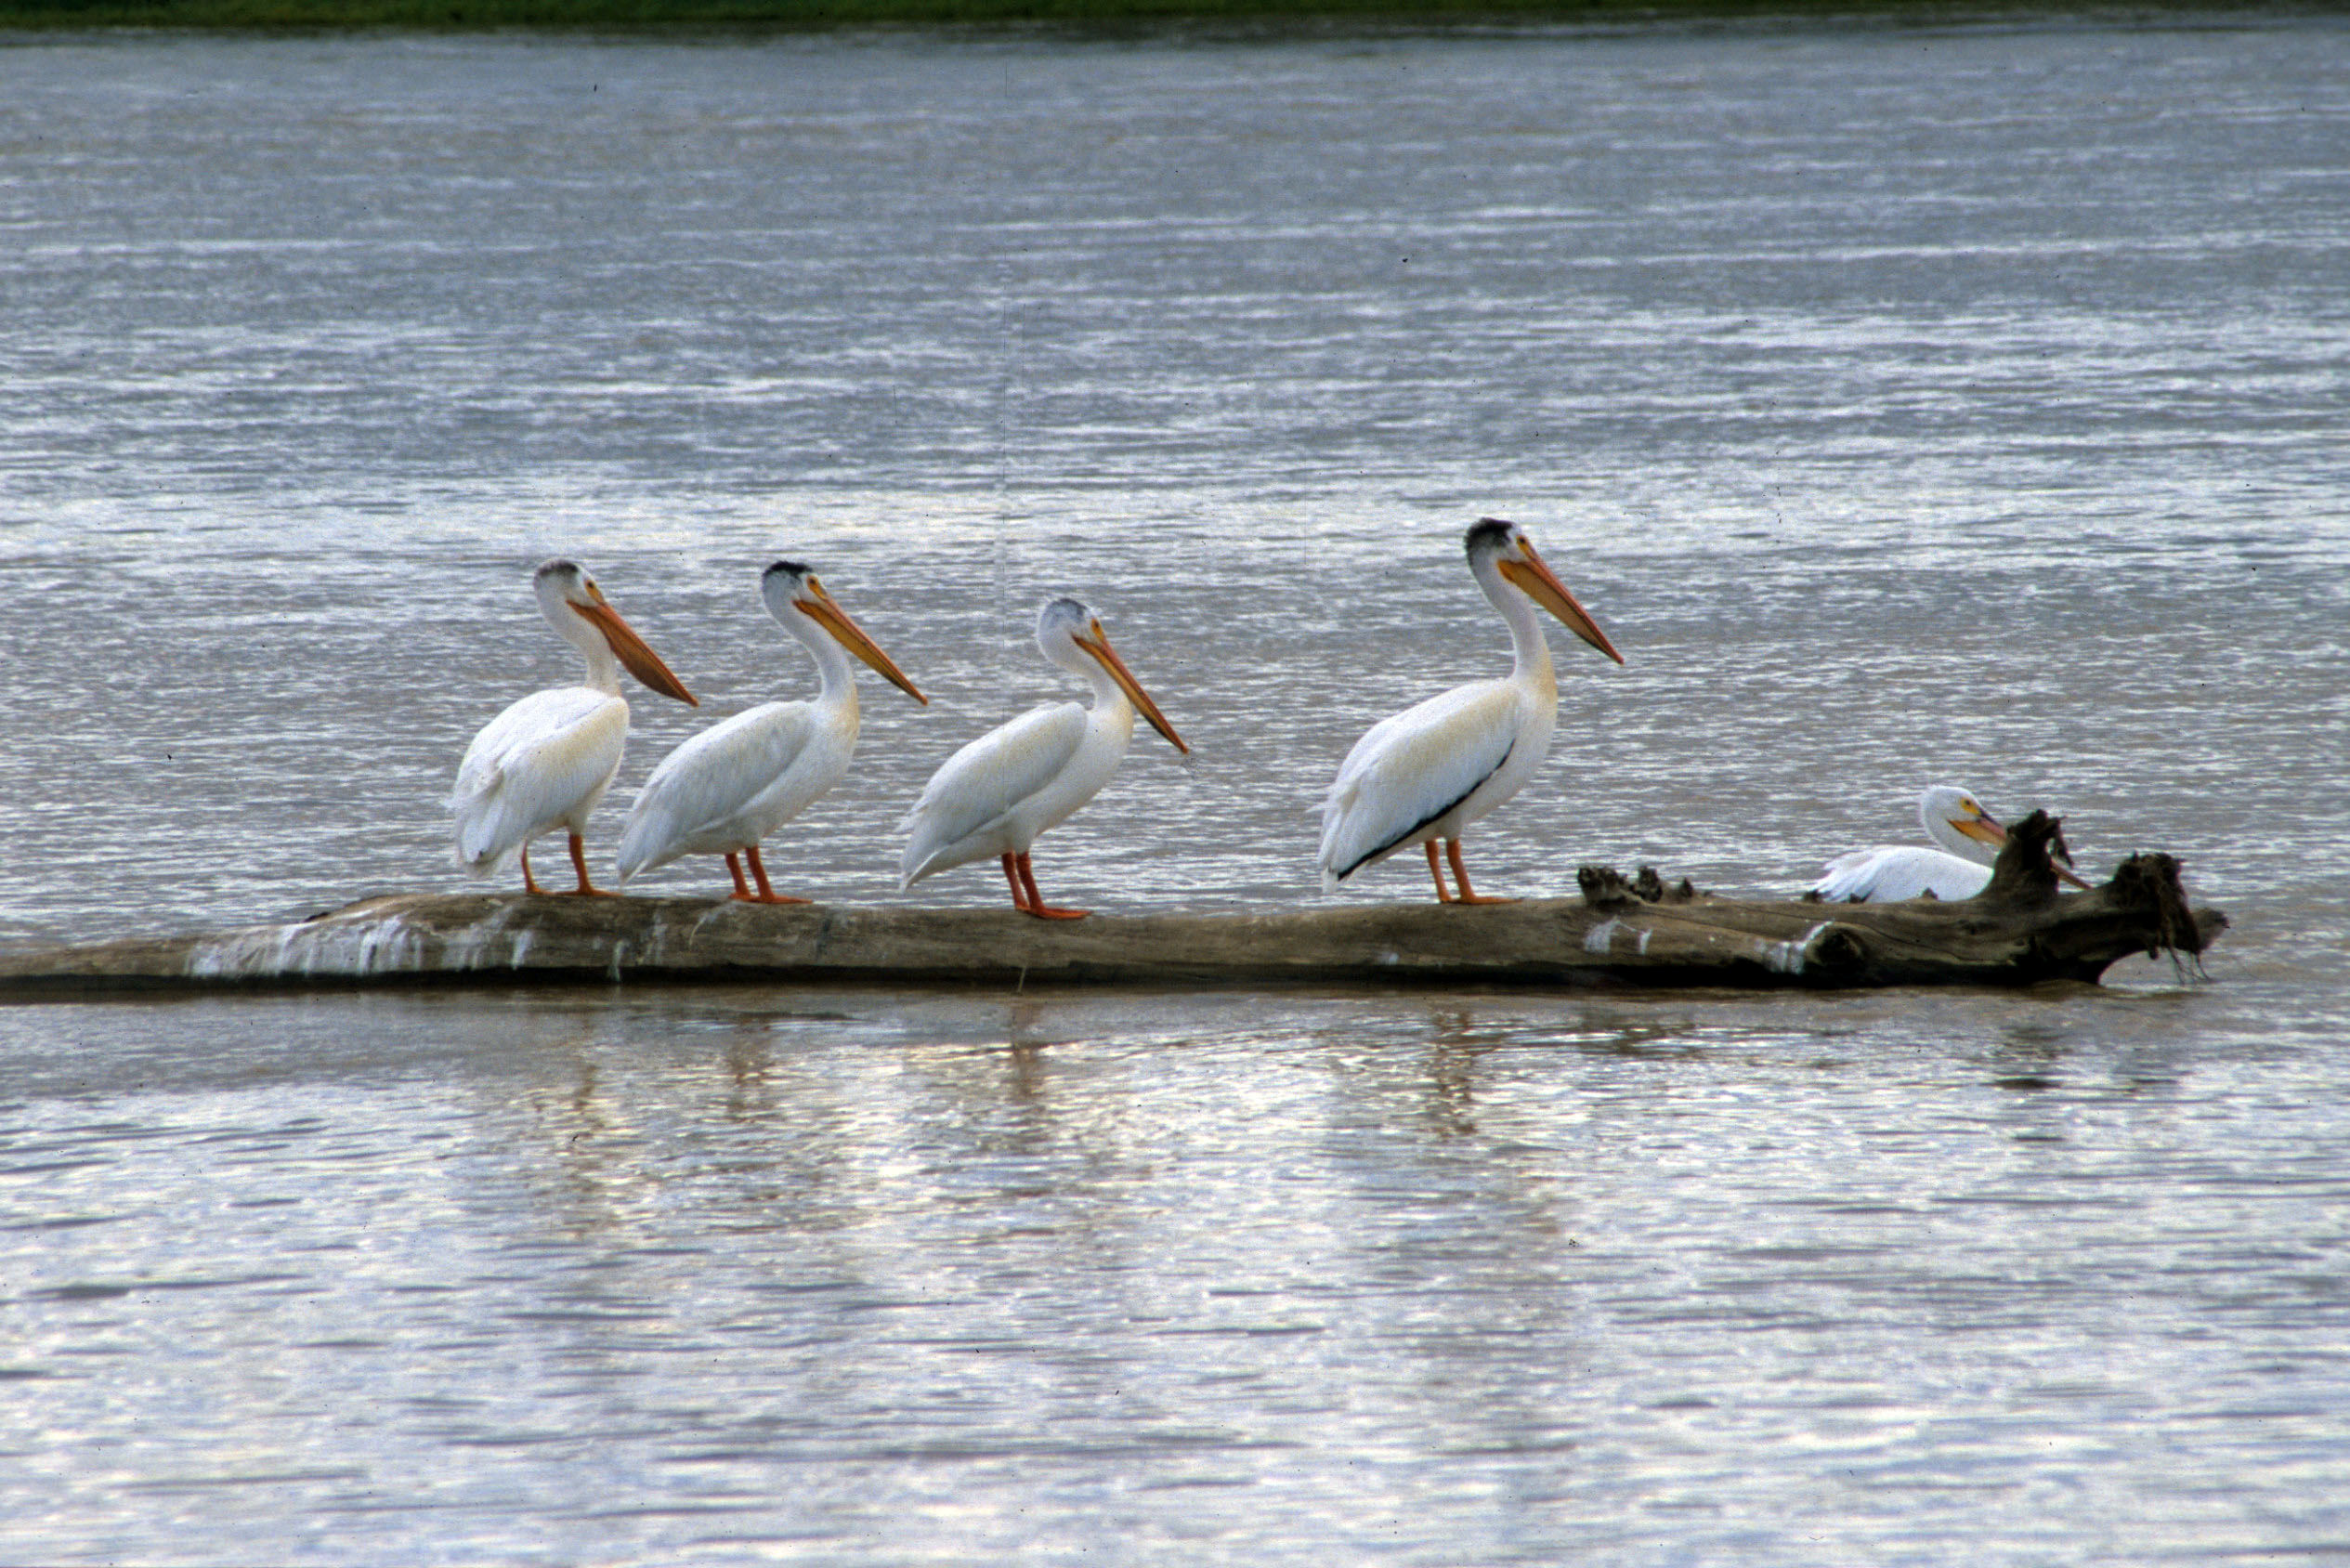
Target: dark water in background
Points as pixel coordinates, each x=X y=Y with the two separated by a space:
x=1908 y=405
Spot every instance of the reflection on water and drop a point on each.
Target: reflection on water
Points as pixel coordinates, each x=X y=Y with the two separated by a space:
x=688 y=1267
x=1919 y=405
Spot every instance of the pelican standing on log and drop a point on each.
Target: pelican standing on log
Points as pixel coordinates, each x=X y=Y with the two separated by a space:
x=545 y=762
x=1428 y=772
x=996 y=796
x=1971 y=839
x=729 y=787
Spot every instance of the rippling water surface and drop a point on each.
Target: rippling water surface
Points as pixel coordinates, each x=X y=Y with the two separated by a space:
x=1908 y=405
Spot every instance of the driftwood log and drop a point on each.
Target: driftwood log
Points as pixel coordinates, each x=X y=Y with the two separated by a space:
x=1619 y=932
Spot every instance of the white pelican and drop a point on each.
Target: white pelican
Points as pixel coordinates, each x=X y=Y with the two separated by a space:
x=727 y=787
x=997 y=793
x=546 y=761
x=1431 y=770
x=1953 y=817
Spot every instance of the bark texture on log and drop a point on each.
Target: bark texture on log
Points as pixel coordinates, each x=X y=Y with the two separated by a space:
x=1639 y=932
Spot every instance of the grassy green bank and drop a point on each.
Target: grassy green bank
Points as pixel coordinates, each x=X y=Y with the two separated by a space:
x=811 y=16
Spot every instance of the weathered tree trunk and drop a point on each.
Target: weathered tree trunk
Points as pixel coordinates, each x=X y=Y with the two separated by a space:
x=1639 y=932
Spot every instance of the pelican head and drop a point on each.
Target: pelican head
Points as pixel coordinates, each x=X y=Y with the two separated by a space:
x=1069 y=634
x=577 y=608
x=1945 y=810
x=792 y=591
x=1955 y=819
x=1505 y=547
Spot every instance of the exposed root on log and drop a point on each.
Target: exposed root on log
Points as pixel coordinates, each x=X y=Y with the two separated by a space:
x=1652 y=888
x=1604 y=888
x=2149 y=883
x=2024 y=877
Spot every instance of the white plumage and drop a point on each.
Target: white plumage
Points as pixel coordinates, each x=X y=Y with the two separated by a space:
x=546 y=761
x=728 y=788
x=1427 y=773
x=1970 y=836
x=1952 y=818
x=996 y=796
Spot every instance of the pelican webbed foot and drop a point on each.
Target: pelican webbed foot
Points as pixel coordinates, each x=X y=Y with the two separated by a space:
x=1026 y=880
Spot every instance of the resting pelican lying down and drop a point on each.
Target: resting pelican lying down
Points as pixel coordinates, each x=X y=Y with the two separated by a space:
x=1971 y=838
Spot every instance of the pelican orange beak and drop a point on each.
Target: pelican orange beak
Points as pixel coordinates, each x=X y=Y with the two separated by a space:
x=631 y=650
x=1534 y=579
x=1982 y=830
x=1097 y=642
x=826 y=613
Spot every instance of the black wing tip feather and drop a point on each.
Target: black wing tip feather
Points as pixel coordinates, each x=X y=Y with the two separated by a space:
x=1408 y=835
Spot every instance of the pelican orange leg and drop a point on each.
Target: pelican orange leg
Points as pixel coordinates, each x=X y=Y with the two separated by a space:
x=1035 y=904
x=1460 y=875
x=767 y=894
x=578 y=863
x=1436 y=870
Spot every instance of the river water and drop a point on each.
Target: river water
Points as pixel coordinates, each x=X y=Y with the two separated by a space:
x=1909 y=405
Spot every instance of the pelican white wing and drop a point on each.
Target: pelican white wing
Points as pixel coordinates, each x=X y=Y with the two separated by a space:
x=734 y=784
x=1415 y=768
x=542 y=763
x=993 y=790
x=1892 y=872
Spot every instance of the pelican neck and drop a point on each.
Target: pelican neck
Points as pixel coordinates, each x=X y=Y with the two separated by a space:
x=600 y=670
x=833 y=668
x=1108 y=695
x=1530 y=648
